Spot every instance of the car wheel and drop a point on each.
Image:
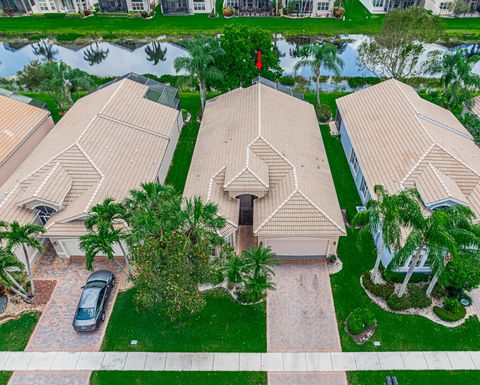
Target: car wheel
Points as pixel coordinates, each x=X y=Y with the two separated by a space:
x=113 y=282
x=103 y=317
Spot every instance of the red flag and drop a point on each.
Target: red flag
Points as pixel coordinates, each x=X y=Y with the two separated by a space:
x=259 y=60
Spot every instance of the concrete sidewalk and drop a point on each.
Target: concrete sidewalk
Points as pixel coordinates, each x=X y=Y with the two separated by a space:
x=271 y=362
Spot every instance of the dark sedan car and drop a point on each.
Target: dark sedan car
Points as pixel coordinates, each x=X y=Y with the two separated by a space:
x=93 y=301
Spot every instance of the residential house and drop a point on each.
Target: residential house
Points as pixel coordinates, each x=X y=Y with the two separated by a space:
x=24 y=123
x=186 y=7
x=384 y=6
x=474 y=109
x=445 y=7
x=108 y=143
x=310 y=7
x=393 y=137
x=124 y=6
x=18 y=6
x=260 y=157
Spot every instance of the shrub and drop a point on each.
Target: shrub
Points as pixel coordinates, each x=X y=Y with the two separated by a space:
x=287 y=80
x=144 y=14
x=227 y=12
x=359 y=320
x=451 y=305
x=397 y=277
x=380 y=290
x=87 y=12
x=447 y=316
x=71 y=36
x=415 y=298
x=324 y=113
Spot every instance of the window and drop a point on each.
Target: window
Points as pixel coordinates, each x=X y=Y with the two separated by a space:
x=323 y=6
x=377 y=3
x=199 y=5
x=364 y=188
x=138 y=6
x=354 y=162
x=44 y=213
x=231 y=3
x=444 y=6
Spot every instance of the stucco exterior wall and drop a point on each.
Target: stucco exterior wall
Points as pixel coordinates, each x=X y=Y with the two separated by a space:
x=24 y=149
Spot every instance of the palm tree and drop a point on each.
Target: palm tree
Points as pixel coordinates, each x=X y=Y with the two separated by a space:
x=17 y=235
x=257 y=285
x=201 y=221
x=94 y=54
x=258 y=260
x=316 y=56
x=153 y=209
x=201 y=64
x=234 y=268
x=444 y=232
x=9 y=262
x=101 y=243
x=464 y=232
x=456 y=76
x=155 y=53
x=387 y=215
x=102 y=218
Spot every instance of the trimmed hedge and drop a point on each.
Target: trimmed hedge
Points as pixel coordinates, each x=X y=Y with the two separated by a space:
x=447 y=316
x=415 y=298
x=324 y=113
x=359 y=320
x=383 y=290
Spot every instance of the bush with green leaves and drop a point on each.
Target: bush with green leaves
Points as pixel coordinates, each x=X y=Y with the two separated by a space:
x=382 y=290
x=416 y=298
x=452 y=310
x=359 y=320
x=324 y=113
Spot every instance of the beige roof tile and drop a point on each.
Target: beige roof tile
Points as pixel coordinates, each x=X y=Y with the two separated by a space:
x=264 y=139
x=402 y=140
x=106 y=144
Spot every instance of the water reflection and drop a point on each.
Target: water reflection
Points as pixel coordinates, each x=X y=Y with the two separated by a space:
x=155 y=53
x=45 y=49
x=95 y=54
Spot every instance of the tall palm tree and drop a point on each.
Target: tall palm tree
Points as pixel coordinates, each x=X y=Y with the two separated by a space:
x=444 y=232
x=94 y=54
x=102 y=218
x=201 y=64
x=387 y=215
x=201 y=221
x=17 y=235
x=317 y=56
x=258 y=260
x=9 y=262
x=155 y=53
x=101 y=243
x=464 y=232
x=153 y=209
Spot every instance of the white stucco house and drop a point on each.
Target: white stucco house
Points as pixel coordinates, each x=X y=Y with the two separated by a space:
x=108 y=143
x=393 y=137
x=260 y=157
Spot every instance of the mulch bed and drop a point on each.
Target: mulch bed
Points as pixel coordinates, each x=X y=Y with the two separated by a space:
x=43 y=291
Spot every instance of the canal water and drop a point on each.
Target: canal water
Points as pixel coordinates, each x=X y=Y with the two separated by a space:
x=157 y=57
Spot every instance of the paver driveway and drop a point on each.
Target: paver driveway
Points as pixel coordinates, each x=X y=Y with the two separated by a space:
x=54 y=331
x=301 y=317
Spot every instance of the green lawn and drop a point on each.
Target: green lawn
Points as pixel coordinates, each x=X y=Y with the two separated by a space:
x=177 y=174
x=357 y=21
x=4 y=377
x=395 y=332
x=51 y=105
x=178 y=378
x=459 y=377
x=14 y=334
x=222 y=326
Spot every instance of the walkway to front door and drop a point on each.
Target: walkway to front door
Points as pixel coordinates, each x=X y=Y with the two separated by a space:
x=301 y=317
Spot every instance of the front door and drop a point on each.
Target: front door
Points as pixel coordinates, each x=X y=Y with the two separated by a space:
x=246 y=210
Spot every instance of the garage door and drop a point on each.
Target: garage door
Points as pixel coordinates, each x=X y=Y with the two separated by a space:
x=298 y=248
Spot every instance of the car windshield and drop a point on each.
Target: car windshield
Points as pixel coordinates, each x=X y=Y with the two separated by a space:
x=85 y=313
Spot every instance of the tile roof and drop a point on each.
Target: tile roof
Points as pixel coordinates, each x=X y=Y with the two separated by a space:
x=108 y=143
x=258 y=140
x=402 y=141
x=17 y=121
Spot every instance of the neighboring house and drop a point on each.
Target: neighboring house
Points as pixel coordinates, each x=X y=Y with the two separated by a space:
x=266 y=7
x=384 y=6
x=52 y=6
x=311 y=7
x=108 y=143
x=18 y=6
x=393 y=137
x=260 y=157
x=124 y=6
x=186 y=7
x=23 y=125
x=440 y=7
